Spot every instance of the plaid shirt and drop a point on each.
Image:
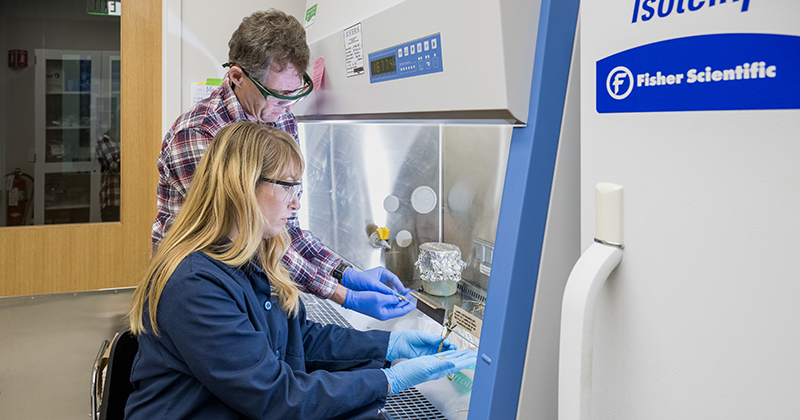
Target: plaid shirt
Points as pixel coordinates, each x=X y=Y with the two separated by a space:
x=108 y=156
x=308 y=261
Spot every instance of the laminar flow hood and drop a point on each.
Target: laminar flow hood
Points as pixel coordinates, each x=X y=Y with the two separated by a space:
x=420 y=60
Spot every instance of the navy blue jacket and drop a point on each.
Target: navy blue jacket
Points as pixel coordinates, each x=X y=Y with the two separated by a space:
x=226 y=350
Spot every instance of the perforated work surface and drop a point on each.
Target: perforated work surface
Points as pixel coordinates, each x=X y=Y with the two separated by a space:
x=406 y=405
x=411 y=405
x=320 y=311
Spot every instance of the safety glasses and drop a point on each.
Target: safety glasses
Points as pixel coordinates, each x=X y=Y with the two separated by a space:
x=284 y=98
x=283 y=190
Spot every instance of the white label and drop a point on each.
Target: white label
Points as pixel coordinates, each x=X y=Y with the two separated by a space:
x=199 y=92
x=467 y=321
x=353 y=51
x=13 y=197
x=486 y=269
x=57 y=150
x=115 y=8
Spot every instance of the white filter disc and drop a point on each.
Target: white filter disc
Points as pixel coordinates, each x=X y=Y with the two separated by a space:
x=423 y=199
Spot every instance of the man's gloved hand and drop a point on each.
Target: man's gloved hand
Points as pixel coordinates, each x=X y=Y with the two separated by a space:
x=427 y=368
x=409 y=344
x=376 y=279
x=377 y=305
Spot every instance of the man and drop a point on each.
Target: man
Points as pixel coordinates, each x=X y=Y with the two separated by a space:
x=267 y=58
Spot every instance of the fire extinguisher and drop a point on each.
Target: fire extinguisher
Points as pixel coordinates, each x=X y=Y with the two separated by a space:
x=18 y=201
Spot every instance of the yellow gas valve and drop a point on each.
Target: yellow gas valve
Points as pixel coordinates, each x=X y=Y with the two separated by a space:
x=383 y=233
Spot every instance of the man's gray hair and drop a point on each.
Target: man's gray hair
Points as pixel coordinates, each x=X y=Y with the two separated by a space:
x=266 y=39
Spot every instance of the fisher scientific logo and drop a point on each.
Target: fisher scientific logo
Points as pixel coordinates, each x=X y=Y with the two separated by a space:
x=619 y=77
x=746 y=71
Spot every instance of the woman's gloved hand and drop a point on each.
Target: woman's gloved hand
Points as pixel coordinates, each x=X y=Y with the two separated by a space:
x=376 y=279
x=409 y=344
x=377 y=305
x=413 y=372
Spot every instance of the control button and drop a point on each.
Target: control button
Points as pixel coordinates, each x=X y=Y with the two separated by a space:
x=412 y=49
x=427 y=45
x=405 y=50
x=419 y=47
x=420 y=66
x=399 y=52
x=433 y=43
x=267 y=305
x=427 y=61
x=436 y=60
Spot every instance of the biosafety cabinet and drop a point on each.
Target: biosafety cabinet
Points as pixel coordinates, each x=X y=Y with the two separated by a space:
x=457 y=123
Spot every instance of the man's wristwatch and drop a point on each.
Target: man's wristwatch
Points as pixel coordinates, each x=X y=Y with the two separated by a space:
x=338 y=272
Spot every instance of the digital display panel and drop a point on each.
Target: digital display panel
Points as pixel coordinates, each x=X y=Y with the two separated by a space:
x=420 y=57
x=383 y=65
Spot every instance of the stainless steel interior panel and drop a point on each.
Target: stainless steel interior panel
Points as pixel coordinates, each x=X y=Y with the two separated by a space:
x=351 y=169
x=48 y=344
x=473 y=171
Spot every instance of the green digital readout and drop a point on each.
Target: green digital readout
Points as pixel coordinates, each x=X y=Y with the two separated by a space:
x=383 y=65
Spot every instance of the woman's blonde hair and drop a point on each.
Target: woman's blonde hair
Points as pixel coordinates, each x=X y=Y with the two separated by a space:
x=222 y=198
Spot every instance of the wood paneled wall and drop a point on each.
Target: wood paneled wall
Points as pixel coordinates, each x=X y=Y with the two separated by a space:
x=68 y=258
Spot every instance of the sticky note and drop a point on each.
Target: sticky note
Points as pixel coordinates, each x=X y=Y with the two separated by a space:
x=319 y=72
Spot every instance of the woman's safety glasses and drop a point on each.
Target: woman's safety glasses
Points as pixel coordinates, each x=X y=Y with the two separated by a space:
x=284 y=191
x=284 y=98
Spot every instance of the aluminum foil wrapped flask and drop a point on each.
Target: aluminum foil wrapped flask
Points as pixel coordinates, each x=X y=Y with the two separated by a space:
x=440 y=267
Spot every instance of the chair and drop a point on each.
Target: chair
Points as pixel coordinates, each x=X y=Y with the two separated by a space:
x=116 y=385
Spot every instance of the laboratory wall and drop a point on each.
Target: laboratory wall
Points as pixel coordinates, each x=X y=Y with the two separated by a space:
x=700 y=318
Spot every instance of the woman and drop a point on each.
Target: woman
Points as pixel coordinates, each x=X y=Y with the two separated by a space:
x=222 y=332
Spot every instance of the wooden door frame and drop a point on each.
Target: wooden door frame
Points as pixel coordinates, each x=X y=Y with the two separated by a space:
x=68 y=258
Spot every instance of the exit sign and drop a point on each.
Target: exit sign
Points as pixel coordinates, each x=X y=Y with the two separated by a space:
x=103 y=7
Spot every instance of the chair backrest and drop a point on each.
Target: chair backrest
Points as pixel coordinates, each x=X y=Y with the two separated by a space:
x=117 y=386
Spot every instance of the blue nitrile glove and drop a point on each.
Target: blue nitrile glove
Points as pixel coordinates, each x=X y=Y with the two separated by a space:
x=377 y=305
x=376 y=279
x=413 y=372
x=409 y=344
